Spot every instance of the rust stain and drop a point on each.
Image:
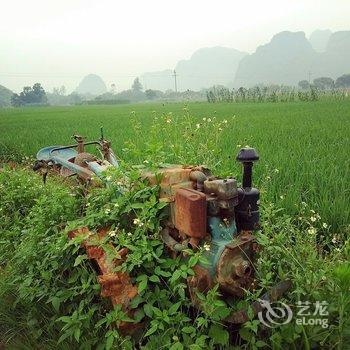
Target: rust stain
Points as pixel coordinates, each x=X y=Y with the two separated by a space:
x=191 y=212
x=115 y=285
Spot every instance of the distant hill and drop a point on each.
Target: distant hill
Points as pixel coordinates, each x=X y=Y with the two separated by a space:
x=162 y=80
x=206 y=67
x=335 y=61
x=5 y=96
x=91 y=84
x=319 y=39
x=286 y=59
x=289 y=57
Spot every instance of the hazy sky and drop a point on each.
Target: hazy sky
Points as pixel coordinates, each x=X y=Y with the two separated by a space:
x=57 y=42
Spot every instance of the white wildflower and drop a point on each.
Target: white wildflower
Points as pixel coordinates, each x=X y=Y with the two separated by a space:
x=112 y=234
x=206 y=246
x=209 y=120
x=334 y=239
x=109 y=178
x=107 y=211
x=168 y=120
x=220 y=129
x=225 y=121
x=137 y=221
x=204 y=119
x=281 y=196
x=198 y=126
x=324 y=225
x=116 y=205
x=129 y=234
x=311 y=231
x=313 y=219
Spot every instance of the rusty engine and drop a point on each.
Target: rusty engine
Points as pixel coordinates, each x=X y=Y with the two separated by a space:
x=204 y=212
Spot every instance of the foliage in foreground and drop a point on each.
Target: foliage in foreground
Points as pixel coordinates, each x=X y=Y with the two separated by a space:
x=51 y=293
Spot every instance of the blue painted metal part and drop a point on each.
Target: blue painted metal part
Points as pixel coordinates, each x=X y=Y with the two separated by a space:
x=222 y=233
x=63 y=157
x=97 y=168
x=77 y=169
x=46 y=153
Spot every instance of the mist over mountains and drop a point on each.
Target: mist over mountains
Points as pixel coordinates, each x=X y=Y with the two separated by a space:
x=288 y=58
x=206 y=67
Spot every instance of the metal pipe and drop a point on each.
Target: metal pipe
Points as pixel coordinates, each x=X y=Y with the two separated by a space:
x=74 y=146
x=171 y=243
x=247 y=174
x=83 y=172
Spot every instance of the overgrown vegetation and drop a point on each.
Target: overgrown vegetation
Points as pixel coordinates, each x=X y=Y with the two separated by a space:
x=303 y=145
x=49 y=288
x=274 y=93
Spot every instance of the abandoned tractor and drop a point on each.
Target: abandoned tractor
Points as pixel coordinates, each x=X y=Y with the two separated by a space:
x=203 y=211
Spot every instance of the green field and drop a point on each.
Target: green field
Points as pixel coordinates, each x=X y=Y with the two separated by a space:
x=308 y=143
x=51 y=295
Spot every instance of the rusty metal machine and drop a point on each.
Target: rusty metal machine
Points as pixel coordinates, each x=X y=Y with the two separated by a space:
x=73 y=160
x=204 y=212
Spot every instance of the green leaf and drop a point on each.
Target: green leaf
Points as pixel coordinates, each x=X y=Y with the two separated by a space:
x=176 y=346
x=79 y=259
x=188 y=329
x=154 y=278
x=260 y=344
x=250 y=312
x=219 y=335
x=137 y=205
x=157 y=311
x=193 y=261
x=148 y=309
x=77 y=334
x=245 y=334
x=151 y=330
x=173 y=308
x=142 y=285
x=56 y=303
x=109 y=341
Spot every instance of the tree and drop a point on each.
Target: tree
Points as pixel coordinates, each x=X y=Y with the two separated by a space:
x=30 y=95
x=151 y=94
x=39 y=94
x=304 y=84
x=343 y=81
x=16 y=101
x=324 y=83
x=136 y=85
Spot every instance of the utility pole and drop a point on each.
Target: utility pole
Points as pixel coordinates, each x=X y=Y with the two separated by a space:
x=175 y=75
x=309 y=77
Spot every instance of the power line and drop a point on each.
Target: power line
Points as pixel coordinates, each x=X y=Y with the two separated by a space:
x=175 y=75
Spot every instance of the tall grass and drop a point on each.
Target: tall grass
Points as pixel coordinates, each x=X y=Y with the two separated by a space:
x=303 y=146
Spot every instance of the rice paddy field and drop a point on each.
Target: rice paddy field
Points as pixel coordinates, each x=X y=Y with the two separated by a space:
x=303 y=146
x=50 y=296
